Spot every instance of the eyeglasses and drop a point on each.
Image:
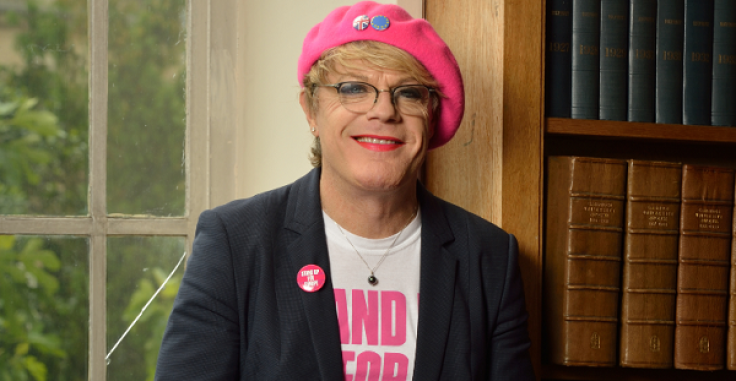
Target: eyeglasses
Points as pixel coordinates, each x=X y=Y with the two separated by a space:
x=360 y=97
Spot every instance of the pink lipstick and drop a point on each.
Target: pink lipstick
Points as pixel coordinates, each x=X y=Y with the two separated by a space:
x=378 y=143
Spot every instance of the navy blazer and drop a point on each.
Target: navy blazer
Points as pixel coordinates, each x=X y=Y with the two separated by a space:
x=240 y=314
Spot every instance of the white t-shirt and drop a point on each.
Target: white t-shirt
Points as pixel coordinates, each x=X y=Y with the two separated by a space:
x=378 y=324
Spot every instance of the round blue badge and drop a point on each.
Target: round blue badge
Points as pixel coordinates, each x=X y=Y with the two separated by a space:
x=380 y=23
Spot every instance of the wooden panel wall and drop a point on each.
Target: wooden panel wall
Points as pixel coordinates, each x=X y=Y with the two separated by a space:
x=493 y=167
x=466 y=171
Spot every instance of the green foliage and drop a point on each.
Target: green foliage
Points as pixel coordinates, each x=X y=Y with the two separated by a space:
x=28 y=288
x=43 y=123
x=44 y=311
x=153 y=258
x=146 y=107
x=156 y=316
x=23 y=132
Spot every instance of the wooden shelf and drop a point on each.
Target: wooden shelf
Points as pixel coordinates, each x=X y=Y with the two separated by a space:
x=558 y=372
x=636 y=130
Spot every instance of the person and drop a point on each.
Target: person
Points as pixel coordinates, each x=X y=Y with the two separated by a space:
x=355 y=271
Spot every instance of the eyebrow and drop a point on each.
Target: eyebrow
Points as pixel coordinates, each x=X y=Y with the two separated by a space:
x=362 y=78
x=351 y=75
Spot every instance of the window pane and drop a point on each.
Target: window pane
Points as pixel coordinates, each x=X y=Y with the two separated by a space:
x=146 y=115
x=44 y=310
x=43 y=107
x=136 y=268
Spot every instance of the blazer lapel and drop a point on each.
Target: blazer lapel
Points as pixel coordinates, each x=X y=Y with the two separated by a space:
x=436 y=289
x=304 y=217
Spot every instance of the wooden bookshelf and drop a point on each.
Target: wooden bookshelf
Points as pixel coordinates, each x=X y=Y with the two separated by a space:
x=559 y=372
x=495 y=165
x=636 y=130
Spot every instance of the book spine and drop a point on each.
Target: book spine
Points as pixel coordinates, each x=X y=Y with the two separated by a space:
x=723 y=112
x=698 y=70
x=670 y=35
x=585 y=75
x=614 y=60
x=649 y=286
x=704 y=266
x=731 y=341
x=642 y=54
x=558 y=58
x=582 y=272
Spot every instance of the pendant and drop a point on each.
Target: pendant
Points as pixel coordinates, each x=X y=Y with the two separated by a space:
x=373 y=280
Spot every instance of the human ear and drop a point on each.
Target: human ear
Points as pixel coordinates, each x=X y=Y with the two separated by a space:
x=308 y=112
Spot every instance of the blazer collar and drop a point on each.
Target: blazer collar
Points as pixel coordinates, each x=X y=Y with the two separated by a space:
x=436 y=288
x=437 y=279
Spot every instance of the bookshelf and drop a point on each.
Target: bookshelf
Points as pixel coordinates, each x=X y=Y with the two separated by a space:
x=495 y=165
x=559 y=372
x=635 y=130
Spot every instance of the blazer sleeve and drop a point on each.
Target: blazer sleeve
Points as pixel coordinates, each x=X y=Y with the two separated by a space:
x=202 y=338
x=509 y=341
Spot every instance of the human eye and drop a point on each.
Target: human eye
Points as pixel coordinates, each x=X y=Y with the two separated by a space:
x=411 y=93
x=354 y=89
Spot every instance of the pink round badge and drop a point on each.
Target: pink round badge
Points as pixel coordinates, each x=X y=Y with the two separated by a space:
x=310 y=278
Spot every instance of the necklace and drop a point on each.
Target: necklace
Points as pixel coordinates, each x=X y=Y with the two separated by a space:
x=372 y=278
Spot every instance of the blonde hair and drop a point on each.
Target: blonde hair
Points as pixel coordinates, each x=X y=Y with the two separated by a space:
x=375 y=54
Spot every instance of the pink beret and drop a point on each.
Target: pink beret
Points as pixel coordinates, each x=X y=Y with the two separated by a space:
x=397 y=28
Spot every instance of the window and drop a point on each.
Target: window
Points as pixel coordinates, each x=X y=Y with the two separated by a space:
x=97 y=196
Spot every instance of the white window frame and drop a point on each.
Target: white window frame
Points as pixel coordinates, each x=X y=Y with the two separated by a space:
x=98 y=225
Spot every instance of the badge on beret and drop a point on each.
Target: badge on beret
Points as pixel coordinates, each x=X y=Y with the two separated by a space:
x=361 y=22
x=380 y=23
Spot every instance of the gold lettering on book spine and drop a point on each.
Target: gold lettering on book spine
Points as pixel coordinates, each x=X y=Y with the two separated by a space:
x=595 y=341
x=673 y=21
x=727 y=59
x=704 y=345
x=600 y=212
x=589 y=49
x=563 y=47
x=654 y=344
x=709 y=218
x=644 y=54
x=700 y=57
x=616 y=52
x=672 y=55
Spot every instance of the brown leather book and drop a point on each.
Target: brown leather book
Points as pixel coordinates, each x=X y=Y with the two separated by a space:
x=731 y=349
x=584 y=238
x=649 y=285
x=703 y=271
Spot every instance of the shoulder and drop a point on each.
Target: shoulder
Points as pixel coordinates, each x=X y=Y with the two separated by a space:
x=239 y=226
x=255 y=209
x=267 y=211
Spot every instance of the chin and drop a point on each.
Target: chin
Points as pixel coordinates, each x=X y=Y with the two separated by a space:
x=386 y=181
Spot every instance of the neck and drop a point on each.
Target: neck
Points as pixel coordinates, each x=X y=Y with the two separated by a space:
x=370 y=214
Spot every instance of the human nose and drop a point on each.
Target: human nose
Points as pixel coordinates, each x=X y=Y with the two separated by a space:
x=384 y=107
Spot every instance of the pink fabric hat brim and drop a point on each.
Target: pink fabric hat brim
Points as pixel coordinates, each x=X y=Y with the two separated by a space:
x=415 y=36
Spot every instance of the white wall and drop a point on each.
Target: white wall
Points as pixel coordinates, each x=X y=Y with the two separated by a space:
x=273 y=138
